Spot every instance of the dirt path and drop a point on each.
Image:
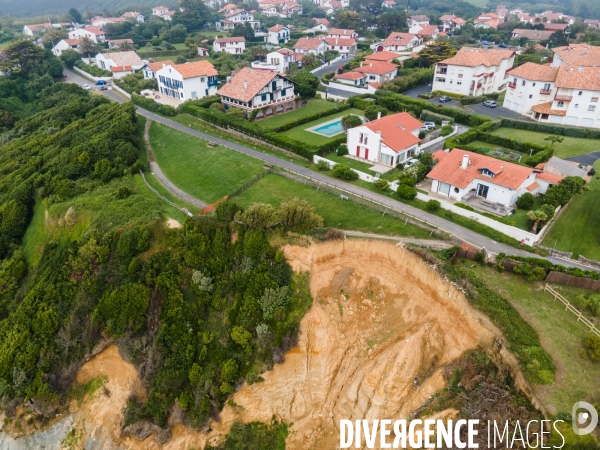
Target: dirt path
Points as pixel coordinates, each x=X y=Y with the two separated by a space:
x=161 y=176
x=431 y=243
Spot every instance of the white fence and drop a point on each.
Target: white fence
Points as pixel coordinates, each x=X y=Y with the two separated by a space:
x=87 y=75
x=513 y=232
x=436 y=140
x=347 y=88
x=327 y=64
x=361 y=175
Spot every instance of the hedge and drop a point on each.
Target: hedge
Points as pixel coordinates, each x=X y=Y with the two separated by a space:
x=204 y=102
x=151 y=105
x=415 y=79
x=447 y=94
x=479 y=99
x=430 y=116
x=362 y=101
x=303 y=120
x=272 y=137
x=549 y=128
x=548 y=265
x=94 y=71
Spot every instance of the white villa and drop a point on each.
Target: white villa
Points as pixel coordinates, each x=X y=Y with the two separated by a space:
x=345 y=46
x=278 y=34
x=398 y=42
x=233 y=45
x=389 y=140
x=118 y=60
x=474 y=71
x=94 y=34
x=187 y=81
x=279 y=61
x=66 y=44
x=252 y=89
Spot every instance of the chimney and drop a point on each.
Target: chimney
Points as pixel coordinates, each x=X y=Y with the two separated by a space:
x=465 y=162
x=245 y=84
x=379 y=115
x=164 y=65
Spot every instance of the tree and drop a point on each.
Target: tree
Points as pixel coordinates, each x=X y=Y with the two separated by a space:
x=536 y=217
x=299 y=215
x=525 y=201
x=22 y=57
x=558 y=39
x=309 y=60
x=592 y=344
x=88 y=48
x=274 y=299
x=75 y=15
x=258 y=215
x=70 y=57
x=123 y=309
x=372 y=112
x=436 y=52
x=348 y=19
x=176 y=34
x=194 y=15
x=241 y=336
x=259 y=52
x=244 y=30
x=351 y=121
x=553 y=138
x=306 y=83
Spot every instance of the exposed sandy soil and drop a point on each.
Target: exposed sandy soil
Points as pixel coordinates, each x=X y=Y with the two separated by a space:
x=382 y=327
x=172 y=223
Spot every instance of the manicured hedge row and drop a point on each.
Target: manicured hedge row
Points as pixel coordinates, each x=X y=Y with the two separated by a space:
x=417 y=78
x=295 y=123
x=430 y=116
x=272 y=137
x=360 y=101
x=513 y=144
x=399 y=102
x=151 y=105
x=549 y=128
x=204 y=102
x=94 y=71
x=447 y=94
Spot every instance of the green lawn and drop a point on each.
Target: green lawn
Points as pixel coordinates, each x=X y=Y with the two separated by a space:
x=566 y=149
x=358 y=165
x=560 y=334
x=337 y=213
x=577 y=228
x=313 y=107
x=520 y=215
x=205 y=173
x=311 y=138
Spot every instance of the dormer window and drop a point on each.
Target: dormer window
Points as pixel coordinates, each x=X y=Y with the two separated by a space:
x=487 y=173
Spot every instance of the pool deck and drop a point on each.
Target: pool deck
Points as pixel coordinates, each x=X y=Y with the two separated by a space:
x=325 y=124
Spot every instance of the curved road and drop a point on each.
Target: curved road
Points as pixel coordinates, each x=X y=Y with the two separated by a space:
x=460 y=232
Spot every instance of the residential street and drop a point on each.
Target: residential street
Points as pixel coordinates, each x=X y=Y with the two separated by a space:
x=332 y=67
x=461 y=233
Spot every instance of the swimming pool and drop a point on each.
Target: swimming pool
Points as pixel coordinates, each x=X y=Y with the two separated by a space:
x=330 y=128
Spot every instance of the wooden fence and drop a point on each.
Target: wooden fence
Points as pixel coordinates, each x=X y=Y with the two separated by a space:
x=568 y=307
x=572 y=280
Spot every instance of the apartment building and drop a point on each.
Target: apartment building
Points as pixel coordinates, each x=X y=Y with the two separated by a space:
x=474 y=71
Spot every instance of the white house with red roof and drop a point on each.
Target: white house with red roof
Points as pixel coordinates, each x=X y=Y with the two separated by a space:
x=149 y=69
x=134 y=16
x=118 y=43
x=426 y=32
x=462 y=175
x=352 y=78
x=398 y=42
x=187 y=81
x=279 y=61
x=306 y=45
x=278 y=34
x=342 y=33
x=451 y=22
x=94 y=34
x=234 y=45
x=345 y=46
x=389 y=140
x=289 y=8
x=120 y=63
x=388 y=4
x=66 y=44
x=159 y=10
x=378 y=71
x=252 y=89
x=417 y=20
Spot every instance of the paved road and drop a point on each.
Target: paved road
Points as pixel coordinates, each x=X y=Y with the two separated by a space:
x=332 y=67
x=73 y=77
x=588 y=158
x=340 y=93
x=460 y=232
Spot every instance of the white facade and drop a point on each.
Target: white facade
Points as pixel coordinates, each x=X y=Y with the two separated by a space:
x=69 y=44
x=107 y=61
x=134 y=15
x=366 y=144
x=235 y=46
x=346 y=47
x=278 y=35
x=277 y=61
x=159 y=10
x=94 y=34
x=173 y=84
x=471 y=80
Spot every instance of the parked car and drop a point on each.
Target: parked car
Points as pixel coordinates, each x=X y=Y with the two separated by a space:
x=487 y=43
x=592 y=172
x=86 y=87
x=411 y=162
x=430 y=125
x=489 y=104
x=502 y=45
x=64 y=75
x=104 y=88
x=444 y=99
x=100 y=83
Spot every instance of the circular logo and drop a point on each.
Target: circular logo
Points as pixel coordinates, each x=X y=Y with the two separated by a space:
x=580 y=418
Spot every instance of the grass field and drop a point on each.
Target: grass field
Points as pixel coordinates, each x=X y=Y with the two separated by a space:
x=576 y=229
x=205 y=173
x=311 y=138
x=358 y=165
x=566 y=149
x=337 y=213
x=560 y=334
x=313 y=107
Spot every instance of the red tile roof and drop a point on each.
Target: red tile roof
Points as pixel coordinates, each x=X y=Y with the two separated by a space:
x=428 y=30
x=307 y=43
x=196 y=69
x=276 y=28
x=532 y=187
x=549 y=177
x=121 y=69
x=154 y=66
x=579 y=55
x=230 y=39
x=396 y=38
x=350 y=76
x=396 y=130
x=344 y=42
x=473 y=57
x=573 y=77
x=341 y=32
x=439 y=155
x=546 y=108
x=535 y=72
x=382 y=56
x=73 y=41
x=325 y=22
x=449 y=170
x=377 y=68
x=247 y=83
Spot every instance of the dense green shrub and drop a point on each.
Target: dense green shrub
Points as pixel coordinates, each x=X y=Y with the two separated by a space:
x=343 y=172
x=205 y=102
x=123 y=309
x=417 y=78
x=432 y=205
x=323 y=166
x=430 y=116
x=526 y=201
x=592 y=346
x=372 y=112
x=406 y=192
x=135 y=83
x=556 y=129
x=342 y=150
x=446 y=130
x=151 y=105
x=94 y=71
x=254 y=436
x=381 y=184
x=563 y=192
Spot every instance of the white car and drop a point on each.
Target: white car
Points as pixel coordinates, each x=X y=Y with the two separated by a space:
x=86 y=87
x=411 y=162
x=430 y=125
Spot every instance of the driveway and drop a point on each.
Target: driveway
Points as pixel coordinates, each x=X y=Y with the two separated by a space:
x=333 y=67
x=588 y=158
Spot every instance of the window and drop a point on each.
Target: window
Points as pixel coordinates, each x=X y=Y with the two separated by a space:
x=580 y=93
x=576 y=105
x=523 y=83
x=202 y=79
x=263 y=97
x=530 y=96
x=487 y=173
x=459 y=82
x=560 y=104
x=592 y=108
x=533 y=84
x=194 y=94
x=443 y=188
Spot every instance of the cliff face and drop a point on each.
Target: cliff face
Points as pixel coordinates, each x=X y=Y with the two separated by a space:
x=374 y=344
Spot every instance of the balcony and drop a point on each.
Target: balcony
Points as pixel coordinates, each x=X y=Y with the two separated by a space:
x=442 y=72
x=545 y=91
x=512 y=85
x=479 y=85
x=563 y=98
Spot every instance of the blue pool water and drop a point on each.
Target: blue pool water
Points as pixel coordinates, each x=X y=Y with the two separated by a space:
x=331 y=129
